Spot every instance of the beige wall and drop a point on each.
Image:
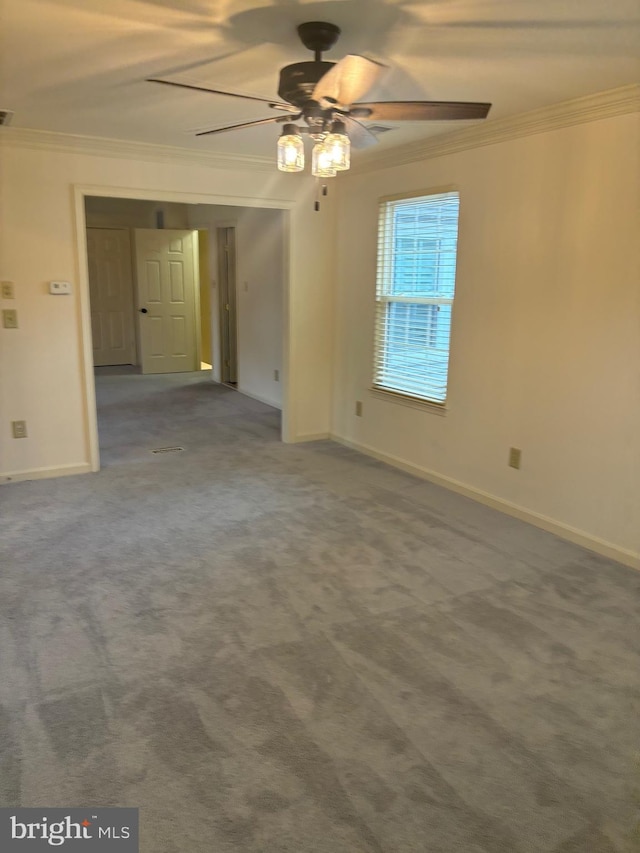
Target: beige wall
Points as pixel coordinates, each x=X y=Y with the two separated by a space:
x=546 y=336
x=42 y=362
x=107 y=212
x=260 y=253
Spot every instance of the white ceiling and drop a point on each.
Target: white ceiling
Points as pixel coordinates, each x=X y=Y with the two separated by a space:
x=79 y=66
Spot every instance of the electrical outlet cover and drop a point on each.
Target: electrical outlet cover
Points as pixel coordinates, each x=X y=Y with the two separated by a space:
x=60 y=288
x=9 y=318
x=19 y=429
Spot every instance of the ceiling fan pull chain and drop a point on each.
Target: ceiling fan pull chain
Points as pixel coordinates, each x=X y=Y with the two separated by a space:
x=321 y=189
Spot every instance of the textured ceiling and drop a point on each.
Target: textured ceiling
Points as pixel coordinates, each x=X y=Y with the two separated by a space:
x=79 y=66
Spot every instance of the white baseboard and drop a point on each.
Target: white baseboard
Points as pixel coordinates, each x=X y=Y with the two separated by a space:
x=564 y=531
x=274 y=404
x=44 y=473
x=310 y=436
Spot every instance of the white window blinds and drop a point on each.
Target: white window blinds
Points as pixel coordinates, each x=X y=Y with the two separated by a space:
x=417 y=240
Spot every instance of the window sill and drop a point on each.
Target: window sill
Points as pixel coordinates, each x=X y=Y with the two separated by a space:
x=413 y=402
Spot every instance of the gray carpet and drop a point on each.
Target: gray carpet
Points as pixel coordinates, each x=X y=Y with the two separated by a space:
x=296 y=648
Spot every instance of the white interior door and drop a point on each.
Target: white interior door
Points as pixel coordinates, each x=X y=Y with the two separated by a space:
x=166 y=295
x=111 y=296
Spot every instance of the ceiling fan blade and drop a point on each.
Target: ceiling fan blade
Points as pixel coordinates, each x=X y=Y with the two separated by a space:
x=255 y=123
x=349 y=79
x=359 y=135
x=276 y=104
x=420 y=110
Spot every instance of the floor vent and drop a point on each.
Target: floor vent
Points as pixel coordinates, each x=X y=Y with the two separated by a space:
x=168 y=450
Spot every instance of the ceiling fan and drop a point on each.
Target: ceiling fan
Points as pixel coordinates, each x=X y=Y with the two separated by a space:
x=321 y=93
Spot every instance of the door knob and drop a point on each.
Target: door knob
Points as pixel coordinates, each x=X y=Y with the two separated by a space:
x=143 y=310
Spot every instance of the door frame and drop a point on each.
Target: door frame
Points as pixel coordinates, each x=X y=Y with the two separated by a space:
x=232 y=294
x=80 y=192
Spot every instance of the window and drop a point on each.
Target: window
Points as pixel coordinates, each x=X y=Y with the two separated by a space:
x=417 y=242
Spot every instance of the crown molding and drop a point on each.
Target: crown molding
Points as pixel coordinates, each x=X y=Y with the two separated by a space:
x=614 y=102
x=99 y=146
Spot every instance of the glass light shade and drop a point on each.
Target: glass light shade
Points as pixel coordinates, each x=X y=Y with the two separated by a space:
x=290 y=150
x=322 y=162
x=339 y=147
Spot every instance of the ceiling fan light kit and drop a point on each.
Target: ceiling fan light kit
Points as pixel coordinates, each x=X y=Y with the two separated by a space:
x=290 y=149
x=321 y=162
x=339 y=146
x=331 y=152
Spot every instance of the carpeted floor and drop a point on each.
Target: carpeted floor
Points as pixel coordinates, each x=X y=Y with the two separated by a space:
x=271 y=647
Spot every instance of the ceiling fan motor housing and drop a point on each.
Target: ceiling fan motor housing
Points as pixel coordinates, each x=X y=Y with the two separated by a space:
x=298 y=81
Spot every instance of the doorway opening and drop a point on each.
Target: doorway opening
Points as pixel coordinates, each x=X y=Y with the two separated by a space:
x=149 y=307
x=230 y=328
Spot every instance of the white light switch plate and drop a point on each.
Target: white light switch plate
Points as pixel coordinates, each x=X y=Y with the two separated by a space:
x=60 y=288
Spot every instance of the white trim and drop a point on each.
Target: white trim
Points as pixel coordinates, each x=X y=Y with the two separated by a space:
x=564 y=531
x=85 y=332
x=414 y=195
x=45 y=473
x=99 y=146
x=258 y=397
x=80 y=191
x=308 y=436
x=613 y=102
x=401 y=399
x=143 y=194
x=195 y=250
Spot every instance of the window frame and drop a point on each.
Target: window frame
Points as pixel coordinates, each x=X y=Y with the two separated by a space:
x=385 y=264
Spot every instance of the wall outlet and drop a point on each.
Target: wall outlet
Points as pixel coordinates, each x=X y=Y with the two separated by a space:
x=19 y=429
x=359 y=408
x=515 y=455
x=9 y=318
x=276 y=375
x=8 y=291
